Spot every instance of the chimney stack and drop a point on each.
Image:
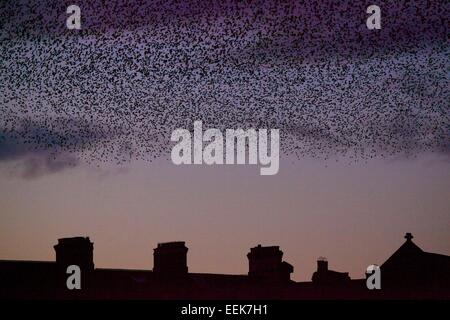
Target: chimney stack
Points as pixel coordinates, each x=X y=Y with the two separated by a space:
x=170 y=258
x=322 y=265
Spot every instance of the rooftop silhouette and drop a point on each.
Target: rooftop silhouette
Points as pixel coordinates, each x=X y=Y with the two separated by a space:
x=409 y=273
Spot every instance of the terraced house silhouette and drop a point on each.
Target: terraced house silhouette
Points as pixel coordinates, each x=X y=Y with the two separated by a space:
x=409 y=273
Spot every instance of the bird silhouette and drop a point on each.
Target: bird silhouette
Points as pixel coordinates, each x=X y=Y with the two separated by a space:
x=137 y=70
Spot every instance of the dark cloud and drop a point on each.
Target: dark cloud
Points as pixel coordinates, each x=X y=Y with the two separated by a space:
x=37 y=165
x=33 y=149
x=30 y=161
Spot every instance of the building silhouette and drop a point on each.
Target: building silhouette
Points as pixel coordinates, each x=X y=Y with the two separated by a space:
x=325 y=277
x=413 y=269
x=409 y=273
x=170 y=258
x=266 y=265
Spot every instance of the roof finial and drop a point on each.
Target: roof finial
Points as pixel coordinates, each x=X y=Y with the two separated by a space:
x=408 y=236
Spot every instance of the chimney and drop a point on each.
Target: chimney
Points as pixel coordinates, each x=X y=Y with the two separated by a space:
x=322 y=265
x=77 y=250
x=265 y=264
x=170 y=258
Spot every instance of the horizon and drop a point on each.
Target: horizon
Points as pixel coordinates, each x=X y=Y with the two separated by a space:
x=133 y=222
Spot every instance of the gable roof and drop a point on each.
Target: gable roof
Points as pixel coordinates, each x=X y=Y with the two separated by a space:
x=409 y=252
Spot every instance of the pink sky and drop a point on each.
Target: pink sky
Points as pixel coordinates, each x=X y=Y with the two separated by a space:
x=353 y=214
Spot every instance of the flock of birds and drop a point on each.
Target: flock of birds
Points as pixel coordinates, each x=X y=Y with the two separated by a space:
x=137 y=70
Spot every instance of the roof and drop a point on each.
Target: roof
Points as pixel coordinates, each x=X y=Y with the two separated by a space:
x=411 y=252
